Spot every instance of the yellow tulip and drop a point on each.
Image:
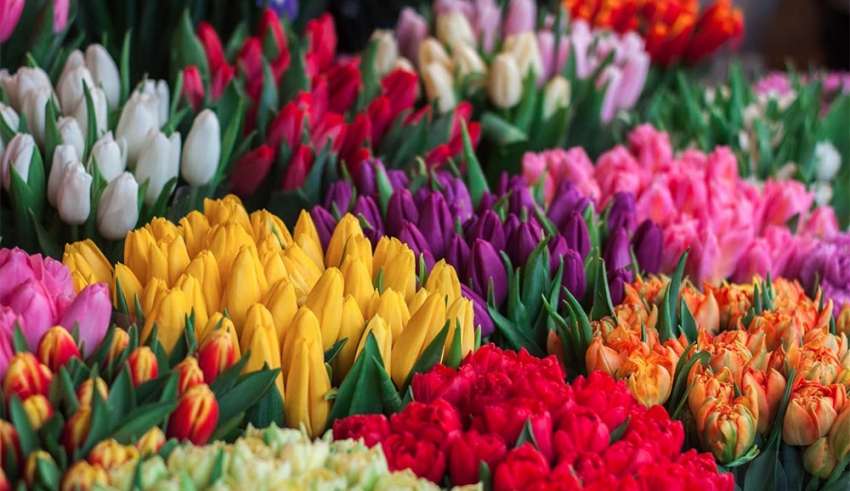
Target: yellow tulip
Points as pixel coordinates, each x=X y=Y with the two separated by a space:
x=195 y=296
x=358 y=282
x=307 y=237
x=423 y=326
x=86 y=260
x=143 y=257
x=265 y=225
x=153 y=291
x=392 y=308
x=162 y=229
x=417 y=300
x=460 y=316
x=359 y=247
x=325 y=300
x=245 y=286
x=351 y=329
x=130 y=287
x=649 y=381
x=227 y=210
x=727 y=430
x=282 y=303
x=398 y=264
x=303 y=272
x=204 y=268
x=169 y=314
x=225 y=241
x=272 y=261
x=218 y=322
x=305 y=325
x=347 y=228
x=194 y=228
x=443 y=279
x=307 y=386
x=383 y=336
x=260 y=338
x=177 y=257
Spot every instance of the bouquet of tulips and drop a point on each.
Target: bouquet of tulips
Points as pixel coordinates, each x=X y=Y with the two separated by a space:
x=499 y=58
x=511 y=421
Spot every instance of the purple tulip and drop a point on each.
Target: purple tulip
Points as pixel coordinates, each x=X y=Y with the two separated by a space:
x=553 y=63
x=410 y=31
x=435 y=223
x=457 y=253
x=567 y=199
x=487 y=269
x=489 y=227
x=617 y=250
x=339 y=194
x=457 y=195
x=400 y=208
x=557 y=248
x=622 y=213
x=366 y=207
x=647 y=246
x=617 y=280
x=523 y=240
x=573 y=278
x=574 y=230
x=414 y=239
x=364 y=178
x=479 y=306
x=511 y=224
x=398 y=179
x=325 y=224
x=520 y=17
x=487 y=201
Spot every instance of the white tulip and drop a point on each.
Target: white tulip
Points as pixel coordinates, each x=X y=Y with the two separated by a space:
x=467 y=62
x=17 y=156
x=431 y=51
x=101 y=112
x=386 y=52
x=402 y=63
x=454 y=30
x=63 y=156
x=157 y=163
x=110 y=156
x=74 y=60
x=504 y=84
x=202 y=149
x=556 y=95
x=70 y=88
x=439 y=86
x=105 y=73
x=25 y=80
x=12 y=121
x=72 y=135
x=139 y=116
x=827 y=160
x=34 y=109
x=118 y=210
x=526 y=53
x=74 y=199
x=158 y=89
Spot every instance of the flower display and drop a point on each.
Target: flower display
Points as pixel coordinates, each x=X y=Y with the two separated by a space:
x=514 y=416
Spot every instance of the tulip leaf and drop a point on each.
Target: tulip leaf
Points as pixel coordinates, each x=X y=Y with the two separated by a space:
x=99 y=425
x=227 y=378
x=294 y=80
x=268 y=102
x=268 y=410
x=246 y=392
x=6 y=132
x=528 y=106
x=791 y=460
x=367 y=377
x=91 y=122
x=602 y=305
x=19 y=342
x=371 y=85
x=228 y=141
x=535 y=278
x=526 y=436
x=51 y=436
x=618 y=432
x=224 y=431
x=838 y=479
x=47 y=474
x=455 y=355
x=390 y=397
x=68 y=394
x=485 y=477
x=334 y=350
x=218 y=468
x=431 y=356
x=679 y=392
x=52 y=137
x=515 y=336
x=688 y=325
x=477 y=182
x=140 y=420
x=27 y=438
x=668 y=319
x=186 y=48
x=124 y=68
x=385 y=188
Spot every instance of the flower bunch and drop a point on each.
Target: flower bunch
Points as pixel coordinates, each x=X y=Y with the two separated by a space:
x=507 y=250
x=37 y=294
x=732 y=227
x=511 y=417
x=749 y=367
x=674 y=30
x=243 y=283
x=270 y=458
x=90 y=150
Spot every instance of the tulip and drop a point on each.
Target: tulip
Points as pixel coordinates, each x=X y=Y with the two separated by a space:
x=573 y=278
x=401 y=208
x=139 y=117
x=767 y=389
x=307 y=237
x=347 y=228
x=413 y=238
x=386 y=51
x=520 y=17
x=74 y=197
x=819 y=460
x=522 y=242
x=10 y=13
x=143 y=365
x=83 y=476
x=120 y=341
x=504 y=83
x=457 y=252
x=424 y=325
x=351 y=329
x=38 y=410
x=435 y=222
x=728 y=430
x=574 y=229
x=10 y=117
x=56 y=348
x=110 y=156
x=622 y=212
x=193 y=87
x=217 y=353
x=26 y=376
x=25 y=81
x=76 y=429
x=158 y=163
x=63 y=157
x=85 y=257
x=432 y=52
x=398 y=264
x=104 y=72
x=410 y=30
x=85 y=392
x=382 y=332
x=454 y=30
x=338 y=197
x=439 y=86
x=259 y=336
x=250 y=170
x=811 y=412
x=556 y=96
x=487 y=271
x=646 y=244
x=109 y=454
x=159 y=89
x=150 y=443
x=10 y=447
x=17 y=158
x=202 y=150
x=467 y=62
x=307 y=385
x=189 y=374
x=526 y=53
x=461 y=318
x=100 y=113
x=617 y=254
x=366 y=209
x=70 y=87
x=325 y=300
x=71 y=134
x=33 y=462
x=443 y=279
x=195 y=417
x=648 y=381
x=118 y=211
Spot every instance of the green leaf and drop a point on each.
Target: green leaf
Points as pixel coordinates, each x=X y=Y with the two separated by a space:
x=52 y=137
x=477 y=183
x=268 y=102
x=295 y=79
x=246 y=392
x=334 y=350
x=19 y=342
x=602 y=304
x=366 y=379
x=27 y=437
x=139 y=421
x=526 y=436
x=186 y=48
x=688 y=325
x=618 y=432
x=267 y=411
x=91 y=122
x=227 y=379
x=125 y=68
x=432 y=355
x=455 y=355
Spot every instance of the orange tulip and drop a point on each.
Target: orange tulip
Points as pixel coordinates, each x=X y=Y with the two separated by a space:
x=811 y=412
x=728 y=430
x=766 y=388
x=109 y=454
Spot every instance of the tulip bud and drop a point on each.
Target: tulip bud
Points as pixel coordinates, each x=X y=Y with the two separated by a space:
x=76 y=429
x=398 y=264
x=150 y=442
x=573 y=278
x=119 y=342
x=526 y=53
x=617 y=254
x=202 y=150
x=104 y=72
x=109 y=454
x=443 y=279
x=383 y=337
x=246 y=286
x=358 y=283
x=504 y=83
x=386 y=51
x=159 y=89
x=439 y=86
x=26 y=376
x=307 y=385
x=169 y=313
x=839 y=435
x=556 y=96
x=351 y=329
x=118 y=210
x=325 y=300
x=467 y=61
x=195 y=417
x=143 y=365
x=218 y=352
x=646 y=243
x=189 y=374
x=83 y=476
x=259 y=337
x=110 y=156
x=415 y=240
x=339 y=195
x=424 y=325
x=70 y=87
x=158 y=163
x=100 y=113
x=56 y=348
x=520 y=17
x=38 y=410
x=728 y=430
x=431 y=51
x=574 y=229
x=25 y=80
x=347 y=228
x=71 y=134
x=487 y=269
x=10 y=446
x=85 y=392
x=307 y=238
x=10 y=117
x=193 y=87
x=401 y=209
x=461 y=319
x=74 y=198
x=139 y=117
x=17 y=158
x=31 y=472
x=818 y=459
x=453 y=30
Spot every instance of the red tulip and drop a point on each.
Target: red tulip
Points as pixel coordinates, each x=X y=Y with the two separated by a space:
x=357 y=135
x=718 y=24
x=299 y=167
x=271 y=28
x=189 y=374
x=212 y=46
x=330 y=128
x=344 y=82
x=26 y=376
x=371 y=428
x=143 y=365
x=195 y=416
x=468 y=451
x=251 y=169
x=216 y=354
x=193 y=86
x=400 y=87
x=321 y=47
x=288 y=126
x=56 y=347
x=250 y=61
x=221 y=77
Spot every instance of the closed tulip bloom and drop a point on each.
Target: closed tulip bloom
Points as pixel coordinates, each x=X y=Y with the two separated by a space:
x=104 y=72
x=90 y=312
x=379 y=328
x=11 y=15
x=386 y=51
x=649 y=381
x=811 y=412
x=100 y=113
x=193 y=290
x=504 y=83
x=325 y=300
x=17 y=158
x=74 y=198
x=839 y=436
x=38 y=410
x=416 y=241
x=195 y=417
x=218 y=352
x=282 y=302
x=617 y=254
x=118 y=210
x=26 y=376
x=646 y=243
x=489 y=227
x=435 y=223
x=487 y=269
x=520 y=17
x=307 y=385
x=443 y=279
x=225 y=241
x=110 y=156
x=151 y=442
x=169 y=314
x=390 y=305
x=56 y=348
x=226 y=210
x=767 y=389
x=453 y=30
x=84 y=476
x=339 y=195
x=439 y=86
x=468 y=62
x=85 y=392
x=366 y=209
x=158 y=163
x=202 y=149
x=87 y=259
x=351 y=329
x=431 y=51
x=259 y=337
x=70 y=87
x=139 y=117
x=424 y=325
x=204 y=268
x=398 y=264
x=307 y=237
x=461 y=319
x=358 y=282
x=76 y=429
x=63 y=157
x=71 y=134
x=400 y=209
x=729 y=430
x=347 y=227
x=359 y=248
x=120 y=341
x=109 y=454
x=303 y=273
x=159 y=89
x=819 y=459
x=556 y=96
x=574 y=230
x=245 y=286
x=573 y=278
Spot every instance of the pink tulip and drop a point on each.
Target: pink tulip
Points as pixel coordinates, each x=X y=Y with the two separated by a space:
x=723 y=166
x=8 y=319
x=90 y=312
x=702 y=260
x=678 y=238
x=656 y=203
x=635 y=70
x=60 y=15
x=821 y=223
x=580 y=39
x=553 y=63
x=16 y=267
x=651 y=147
x=783 y=200
x=756 y=261
x=410 y=31
x=616 y=170
x=610 y=79
x=520 y=17
x=488 y=16
x=36 y=309
x=10 y=14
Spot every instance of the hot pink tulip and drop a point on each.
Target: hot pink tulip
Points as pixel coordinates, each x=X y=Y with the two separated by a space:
x=90 y=311
x=821 y=223
x=783 y=200
x=651 y=147
x=37 y=311
x=8 y=320
x=60 y=15
x=10 y=14
x=618 y=171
